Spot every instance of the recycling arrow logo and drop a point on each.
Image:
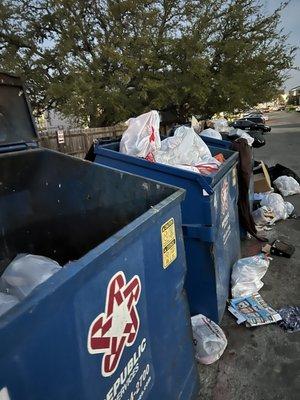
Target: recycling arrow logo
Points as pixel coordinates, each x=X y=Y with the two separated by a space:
x=117 y=327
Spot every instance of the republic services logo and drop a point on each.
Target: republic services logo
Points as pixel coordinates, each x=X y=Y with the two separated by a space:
x=118 y=326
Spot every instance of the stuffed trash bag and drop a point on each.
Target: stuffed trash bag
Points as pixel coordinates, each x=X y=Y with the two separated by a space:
x=246 y=275
x=281 y=209
x=221 y=125
x=141 y=138
x=184 y=148
x=25 y=272
x=287 y=185
x=209 y=339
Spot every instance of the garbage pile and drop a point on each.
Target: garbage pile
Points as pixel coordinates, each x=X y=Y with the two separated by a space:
x=246 y=304
x=220 y=129
x=271 y=185
x=270 y=188
x=185 y=149
x=21 y=276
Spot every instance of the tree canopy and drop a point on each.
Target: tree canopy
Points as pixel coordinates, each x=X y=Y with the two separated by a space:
x=106 y=60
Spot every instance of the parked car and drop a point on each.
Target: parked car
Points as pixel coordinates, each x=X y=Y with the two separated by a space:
x=297 y=109
x=257 y=115
x=256 y=119
x=250 y=125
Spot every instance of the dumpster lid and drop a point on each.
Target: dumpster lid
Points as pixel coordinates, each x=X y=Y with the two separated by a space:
x=16 y=121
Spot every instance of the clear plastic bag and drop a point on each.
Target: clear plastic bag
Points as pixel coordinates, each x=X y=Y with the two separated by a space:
x=263 y=216
x=209 y=132
x=141 y=138
x=7 y=302
x=280 y=208
x=246 y=275
x=209 y=339
x=287 y=185
x=25 y=272
x=221 y=125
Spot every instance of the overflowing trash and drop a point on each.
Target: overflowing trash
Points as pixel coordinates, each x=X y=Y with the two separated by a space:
x=185 y=149
x=141 y=138
x=221 y=125
x=209 y=132
x=287 y=185
x=259 y=140
x=263 y=216
x=25 y=272
x=209 y=339
x=246 y=275
x=290 y=318
x=280 y=170
x=7 y=301
x=281 y=209
x=253 y=310
x=241 y=134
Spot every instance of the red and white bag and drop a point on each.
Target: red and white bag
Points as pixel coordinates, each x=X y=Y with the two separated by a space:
x=141 y=138
x=209 y=339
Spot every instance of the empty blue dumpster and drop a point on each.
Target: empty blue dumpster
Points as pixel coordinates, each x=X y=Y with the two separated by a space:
x=210 y=223
x=113 y=323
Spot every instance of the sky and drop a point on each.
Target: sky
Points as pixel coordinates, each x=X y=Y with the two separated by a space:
x=291 y=25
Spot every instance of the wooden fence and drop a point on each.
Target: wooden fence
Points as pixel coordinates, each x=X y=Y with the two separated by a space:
x=76 y=141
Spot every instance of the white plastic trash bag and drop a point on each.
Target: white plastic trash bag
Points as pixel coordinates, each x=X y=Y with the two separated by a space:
x=6 y=302
x=246 y=275
x=209 y=339
x=221 y=125
x=209 y=132
x=281 y=208
x=184 y=148
x=242 y=134
x=141 y=138
x=289 y=208
x=287 y=185
x=25 y=272
x=263 y=216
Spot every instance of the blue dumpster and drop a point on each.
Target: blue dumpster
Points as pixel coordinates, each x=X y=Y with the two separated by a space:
x=226 y=144
x=113 y=323
x=210 y=223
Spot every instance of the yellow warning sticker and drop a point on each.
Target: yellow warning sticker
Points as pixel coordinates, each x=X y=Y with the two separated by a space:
x=168 y=242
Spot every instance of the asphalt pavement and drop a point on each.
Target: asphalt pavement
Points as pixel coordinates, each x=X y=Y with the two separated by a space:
x=263 y=363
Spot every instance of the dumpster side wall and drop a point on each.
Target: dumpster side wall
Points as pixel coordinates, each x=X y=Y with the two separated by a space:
x=114 y=324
